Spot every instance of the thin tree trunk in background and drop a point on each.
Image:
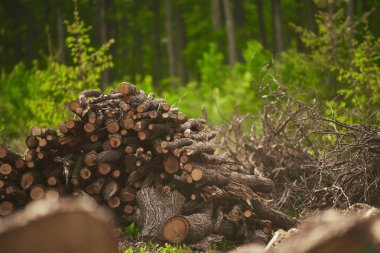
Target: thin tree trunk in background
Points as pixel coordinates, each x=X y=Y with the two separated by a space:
x=299 y=15
x=350 y=20
x=31 y=35
x=60 y=34
x=310 y=15
x=103 y=37
x=216 y=15
x=330 y=23
x=157 y=43
x=170 y=40
x=181 y=44
x=114 y=33
x=277 y=27
x=239 y=23
x=260 y=12
x=137 y=56
x=239 y=13
x=232 y=55
x=217 y=20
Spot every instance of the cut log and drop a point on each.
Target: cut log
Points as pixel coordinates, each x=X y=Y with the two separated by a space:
x=278 y=218
x=110 y=189
x=114 y=202
x=110 y=156
x=112 y=126
x=5 y=169
x=28 y=179
x=85 y=173
x=127 y=195
x=52 y=193
x=196 y=148
x=179 y=143
x=128 y=88
x=84 y=95
x=31 y=142
x=190 y=228
x=6 y=208
x=219 y=178
x=171 y=163
x=8 y=155
x=115 y=140
x=104 y=168
x=156 y=209
x=37 y=192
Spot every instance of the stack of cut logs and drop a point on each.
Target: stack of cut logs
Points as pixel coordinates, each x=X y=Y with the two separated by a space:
x=145 y=160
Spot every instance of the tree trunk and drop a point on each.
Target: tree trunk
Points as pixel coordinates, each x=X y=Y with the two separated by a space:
x=216 y=15
x=60 y=34
x=350 y=20
x=310 y=15
x=103 y=36
x=260 y=12
x=170 y=41
x=230 y=24
x=239 y=13
x=156 y=209
x=157 y=43
x=181 y=44
x=31 y=37
x=192 y=228
x=300 y=46
x=277 y=27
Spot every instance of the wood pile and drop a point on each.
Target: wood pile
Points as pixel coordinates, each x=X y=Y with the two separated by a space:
x=145 y=160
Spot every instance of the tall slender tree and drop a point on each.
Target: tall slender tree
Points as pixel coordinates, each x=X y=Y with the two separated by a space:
x=299 y=19
x=277 y=27
x=260 y=14
x=60 y=33
x=216 y=15
x=231 y=37
x=181 y=41
x=170 y=41
x=310 y=15
x=103 y=32
x=157 y=71
x=350 y=19
x=239 y=13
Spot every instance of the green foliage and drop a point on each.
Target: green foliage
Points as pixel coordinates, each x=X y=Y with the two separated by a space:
x=15 y=88
x=223 y=245
x=221 y=91
x=166 y=248
x=361 y=78
x=40 y=96
x=131 y=231
x=59 y=83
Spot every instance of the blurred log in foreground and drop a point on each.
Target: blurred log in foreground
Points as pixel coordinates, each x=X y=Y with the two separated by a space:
x=52 y=226
x=328 y=232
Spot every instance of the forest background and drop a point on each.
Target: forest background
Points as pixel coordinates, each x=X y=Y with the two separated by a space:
x=213 y=58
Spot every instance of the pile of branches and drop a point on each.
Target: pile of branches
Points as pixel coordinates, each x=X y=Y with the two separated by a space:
x=146 y=161
x=316 y=162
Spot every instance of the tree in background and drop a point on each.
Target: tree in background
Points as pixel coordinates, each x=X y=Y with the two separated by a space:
x=47 y=91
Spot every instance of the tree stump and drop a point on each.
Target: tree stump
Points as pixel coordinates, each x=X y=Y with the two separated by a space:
x=156 y=209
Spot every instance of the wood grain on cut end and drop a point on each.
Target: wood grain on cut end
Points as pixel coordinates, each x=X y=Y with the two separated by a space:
x=5 y=169
x=197 y=173
x=171 y=163
x=175 y=229
x=6 y=208
x=37 y=192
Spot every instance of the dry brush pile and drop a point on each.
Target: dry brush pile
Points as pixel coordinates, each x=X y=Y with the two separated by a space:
x=149 y=163
x=315 y=162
